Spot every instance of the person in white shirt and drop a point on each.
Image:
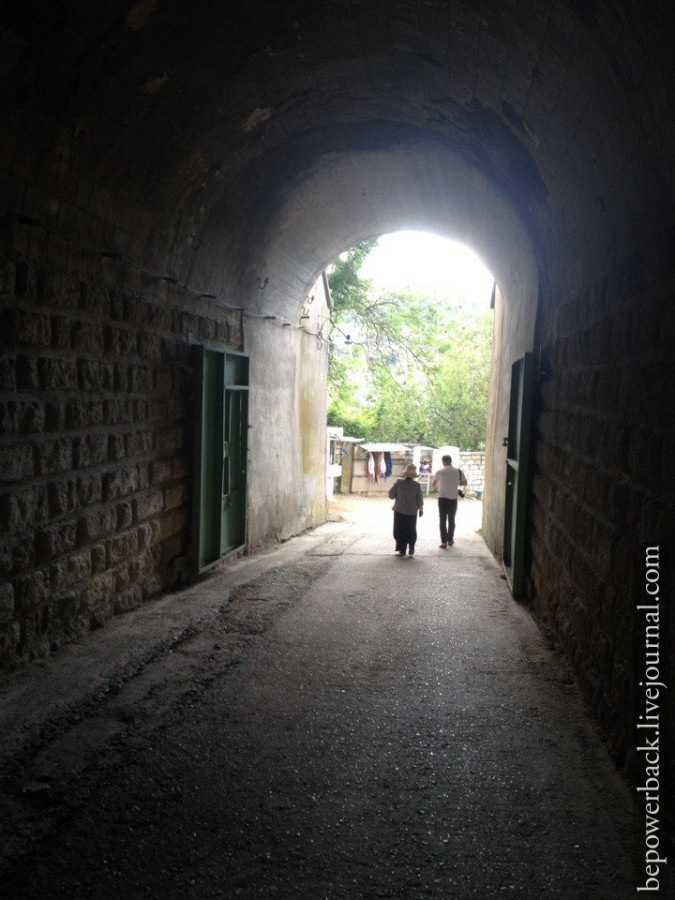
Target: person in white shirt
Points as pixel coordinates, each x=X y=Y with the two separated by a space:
x=447 y=481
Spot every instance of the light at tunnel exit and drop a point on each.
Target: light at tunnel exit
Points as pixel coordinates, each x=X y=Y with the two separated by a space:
x=428 y=263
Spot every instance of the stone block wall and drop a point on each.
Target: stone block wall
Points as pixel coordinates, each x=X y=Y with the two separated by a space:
x=95 y=435
x=472 y=463
x=604 y=476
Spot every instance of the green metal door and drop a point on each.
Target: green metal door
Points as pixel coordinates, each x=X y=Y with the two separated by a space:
x=233 y=518
x=517 y=470
x=221 y=428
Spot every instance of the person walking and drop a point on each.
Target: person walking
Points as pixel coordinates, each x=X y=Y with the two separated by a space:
x=447 y=482
x=408 y=502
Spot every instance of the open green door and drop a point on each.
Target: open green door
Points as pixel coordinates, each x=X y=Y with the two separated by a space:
x=221 y=428
x=517 y=470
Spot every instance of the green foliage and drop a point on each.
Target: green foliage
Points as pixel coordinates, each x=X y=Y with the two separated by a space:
x=404 y=367
x=347 y=289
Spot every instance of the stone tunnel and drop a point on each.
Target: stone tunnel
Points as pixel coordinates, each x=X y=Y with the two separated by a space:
x=176 y=176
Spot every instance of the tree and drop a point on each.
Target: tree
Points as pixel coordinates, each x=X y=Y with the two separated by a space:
x=459 y=387
x=386 y=327
x=403 y=367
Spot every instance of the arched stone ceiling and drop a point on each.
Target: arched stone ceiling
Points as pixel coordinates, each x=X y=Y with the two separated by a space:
x=351 y=196
x=187 y=129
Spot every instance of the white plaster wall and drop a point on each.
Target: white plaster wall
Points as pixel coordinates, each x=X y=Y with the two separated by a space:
x=287 y=415
x=513 y=335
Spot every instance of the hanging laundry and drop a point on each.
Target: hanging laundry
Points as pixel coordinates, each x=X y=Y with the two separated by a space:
x=387 y=464
x=382 y=466
x=370 y=466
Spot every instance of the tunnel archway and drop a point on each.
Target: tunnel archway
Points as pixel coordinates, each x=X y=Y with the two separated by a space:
x=175 y=177
x=351 y=198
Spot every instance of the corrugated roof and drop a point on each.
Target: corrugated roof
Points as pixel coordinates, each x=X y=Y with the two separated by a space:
x=383 y=448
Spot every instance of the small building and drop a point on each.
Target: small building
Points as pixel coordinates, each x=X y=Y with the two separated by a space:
x=360 y=467
x=339 y=460
x=423 y=459
x=377 y=466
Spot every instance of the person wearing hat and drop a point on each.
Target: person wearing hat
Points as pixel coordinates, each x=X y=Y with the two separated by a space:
x=408 y=502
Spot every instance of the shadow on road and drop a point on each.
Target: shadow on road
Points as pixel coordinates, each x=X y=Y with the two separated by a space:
x=329 y=722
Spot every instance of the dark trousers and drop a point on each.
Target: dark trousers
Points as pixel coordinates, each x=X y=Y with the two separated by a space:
x=405 y=531
x=447 y=510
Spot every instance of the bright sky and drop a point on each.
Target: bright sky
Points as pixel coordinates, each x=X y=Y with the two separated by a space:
x=428 y=264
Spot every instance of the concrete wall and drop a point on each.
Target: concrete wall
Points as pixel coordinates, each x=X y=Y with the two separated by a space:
x=513 y=336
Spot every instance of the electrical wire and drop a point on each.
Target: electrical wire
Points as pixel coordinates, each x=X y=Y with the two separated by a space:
x=169 y=279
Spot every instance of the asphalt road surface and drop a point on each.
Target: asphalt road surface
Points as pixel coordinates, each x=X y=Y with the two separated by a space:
x=324 y=721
